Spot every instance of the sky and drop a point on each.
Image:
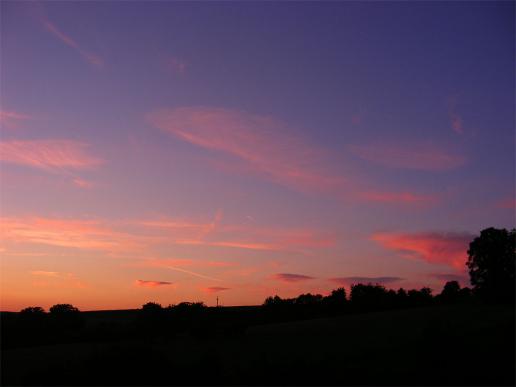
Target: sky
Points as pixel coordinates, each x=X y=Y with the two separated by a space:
x=184 y=151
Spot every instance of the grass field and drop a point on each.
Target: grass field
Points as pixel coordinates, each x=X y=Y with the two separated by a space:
x=441 y=345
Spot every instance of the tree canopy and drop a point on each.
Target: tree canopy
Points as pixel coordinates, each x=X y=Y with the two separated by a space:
x=491 y=262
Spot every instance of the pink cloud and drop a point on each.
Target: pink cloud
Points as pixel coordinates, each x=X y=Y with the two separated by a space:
x=152 y=284
x=411 y=156
x=508 y=203
x=74 y=233
x=399 y=198
x=260 y=141
x=57 y=279
x=356 y=119
x=456 y=122
x=249 y=237
x=180 y=262
x=215 y=289
x=81 y=183
x=288 y=277
x=90 y=57
x=49 y=155
x=436 y=248
x=270 y=149
x=445 y=277
x=45 y=273
x=176 y=65
x=11 y=119
x=365 y=280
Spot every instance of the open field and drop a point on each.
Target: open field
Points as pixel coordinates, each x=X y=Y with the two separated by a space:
x=441 y=345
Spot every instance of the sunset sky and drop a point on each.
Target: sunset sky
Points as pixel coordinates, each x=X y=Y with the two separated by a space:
x=169 y=151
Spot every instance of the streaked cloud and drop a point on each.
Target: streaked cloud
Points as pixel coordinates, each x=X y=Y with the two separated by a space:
x=450 y=277
x=192 y=273
x=261 y=141
x=215 y=289
x=436 y=248
x=399 y=198
x=56 y=279
x=45 y=273
x=288 y=277
x=508 y=203
x=270 y=149
x=423 y=157
x=248 y=237
x=81 y=183
x=365 y=280
x=11 y=119
x=176 y=65
x=74 y=233
x=152 y=284
x=49 y=155
x=456 y=122
x=180 y=262
x=90 y=57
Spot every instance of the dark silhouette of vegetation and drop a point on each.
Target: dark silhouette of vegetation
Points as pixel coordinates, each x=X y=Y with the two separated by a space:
x=136 y=346
x=491 y=262
x=63 y=310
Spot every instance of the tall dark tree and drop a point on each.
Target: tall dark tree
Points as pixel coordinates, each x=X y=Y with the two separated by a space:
x=491 y=263
x=450 y=292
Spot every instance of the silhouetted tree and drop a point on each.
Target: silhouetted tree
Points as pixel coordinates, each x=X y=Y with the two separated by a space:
x=308 y=299
x=63 y=309
x=450 y=292
x=491 y=263
x=422 y=297
x=66 y=316
x=151 y=307
x=338 y=296
x=336 y=301
x=368 y=297
x=33 y=311
x=32 y=322
x=465 y=293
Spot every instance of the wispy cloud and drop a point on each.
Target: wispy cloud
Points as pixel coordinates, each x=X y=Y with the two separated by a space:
x=176 y=65
x=508 y=203
x=455 y=119
x=399 y=198
x=249 y=237
x=90 y=57
x=288 y=277
x=365 y=280
x=56 y=279
x=45 y=273
x=152 y=284
x=270 y=149
x=450 y=277
x=420 y=156
x=436 y=248
x=215 y=289
x=11 y=119
x=192 y=273
x=260 y=141
x=181 y=262
x=49 y=155
x=74 y=233
x=81 y=183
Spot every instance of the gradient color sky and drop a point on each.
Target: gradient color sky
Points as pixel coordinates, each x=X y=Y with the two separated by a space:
x=167 y=151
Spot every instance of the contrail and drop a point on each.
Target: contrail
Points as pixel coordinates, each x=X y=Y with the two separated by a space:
x=192 y=273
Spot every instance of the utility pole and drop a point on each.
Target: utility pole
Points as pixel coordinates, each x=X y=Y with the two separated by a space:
x=217 y=301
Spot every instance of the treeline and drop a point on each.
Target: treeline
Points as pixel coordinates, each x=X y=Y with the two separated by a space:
x=370 y=297
x=65 y=323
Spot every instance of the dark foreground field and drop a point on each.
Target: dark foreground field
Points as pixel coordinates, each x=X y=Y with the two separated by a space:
x=438 y=345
